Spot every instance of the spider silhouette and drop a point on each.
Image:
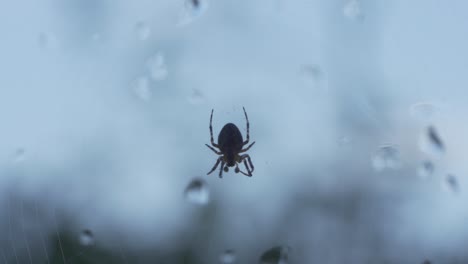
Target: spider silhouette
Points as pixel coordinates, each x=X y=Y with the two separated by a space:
x=230 y=145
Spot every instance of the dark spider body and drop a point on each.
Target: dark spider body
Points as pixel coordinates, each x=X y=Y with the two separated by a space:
x=230 y=142
x=230 y=145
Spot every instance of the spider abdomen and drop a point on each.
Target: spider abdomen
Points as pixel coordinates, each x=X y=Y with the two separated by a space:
x=230 y=139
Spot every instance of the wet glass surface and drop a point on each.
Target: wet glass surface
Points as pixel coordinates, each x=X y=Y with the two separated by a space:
x=357 y=109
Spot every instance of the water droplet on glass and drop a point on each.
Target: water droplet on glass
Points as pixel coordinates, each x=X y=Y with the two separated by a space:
x=228 y=257
x=196 y=97
x=86 y=238
x=192 y=10
x=19 y=155
x=386 y=157
x=96 y=37
x=143 y=30
x=353 y=10
x=431 y=143
x=142 y=89
x=343 y=141
x=423 y=111
x=451 y=183
x=426 y=169
x=157 y=66
x=275 y=255
x=197 y=192
x=47 y=41
x=311 y=73
x=426 y=262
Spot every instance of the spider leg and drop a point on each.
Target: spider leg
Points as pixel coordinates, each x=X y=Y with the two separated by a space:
x=211 y=130
x=250 y=163
x=248 y=136
x=215 y=166
x=247 y=157
x=249 y=174
x=244 y=150
x=214 y=150
x=221 y=169
x=237 y=170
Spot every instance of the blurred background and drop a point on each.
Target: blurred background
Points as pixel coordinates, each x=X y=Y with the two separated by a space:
x=357 y=108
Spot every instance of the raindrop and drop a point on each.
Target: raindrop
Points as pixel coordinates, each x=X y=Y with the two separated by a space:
x=86 y=238
x=194 y=3
x=47 y=41
x=196 y=97
x=343 y=141
x=96 y=37
x=431 y=143
x=353 y=10
x=19 y=155
x=426 y=169
x=386 y=157
x=197 y=192
x=142 y=89
x=157 y=66
x=311 y=73
x=275 y=255
x=142 y=30
x=423 y=111
x=451 y=183
x=228 y=257
x=192 y=10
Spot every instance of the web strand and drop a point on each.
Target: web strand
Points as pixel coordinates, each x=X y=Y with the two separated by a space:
x=24 y=231
x=42 y=236
x=58 y=237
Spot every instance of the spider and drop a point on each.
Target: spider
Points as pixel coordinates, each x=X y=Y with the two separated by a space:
x=230 y=145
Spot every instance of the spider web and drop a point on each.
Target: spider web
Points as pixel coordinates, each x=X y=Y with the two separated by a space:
x=34 y=233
